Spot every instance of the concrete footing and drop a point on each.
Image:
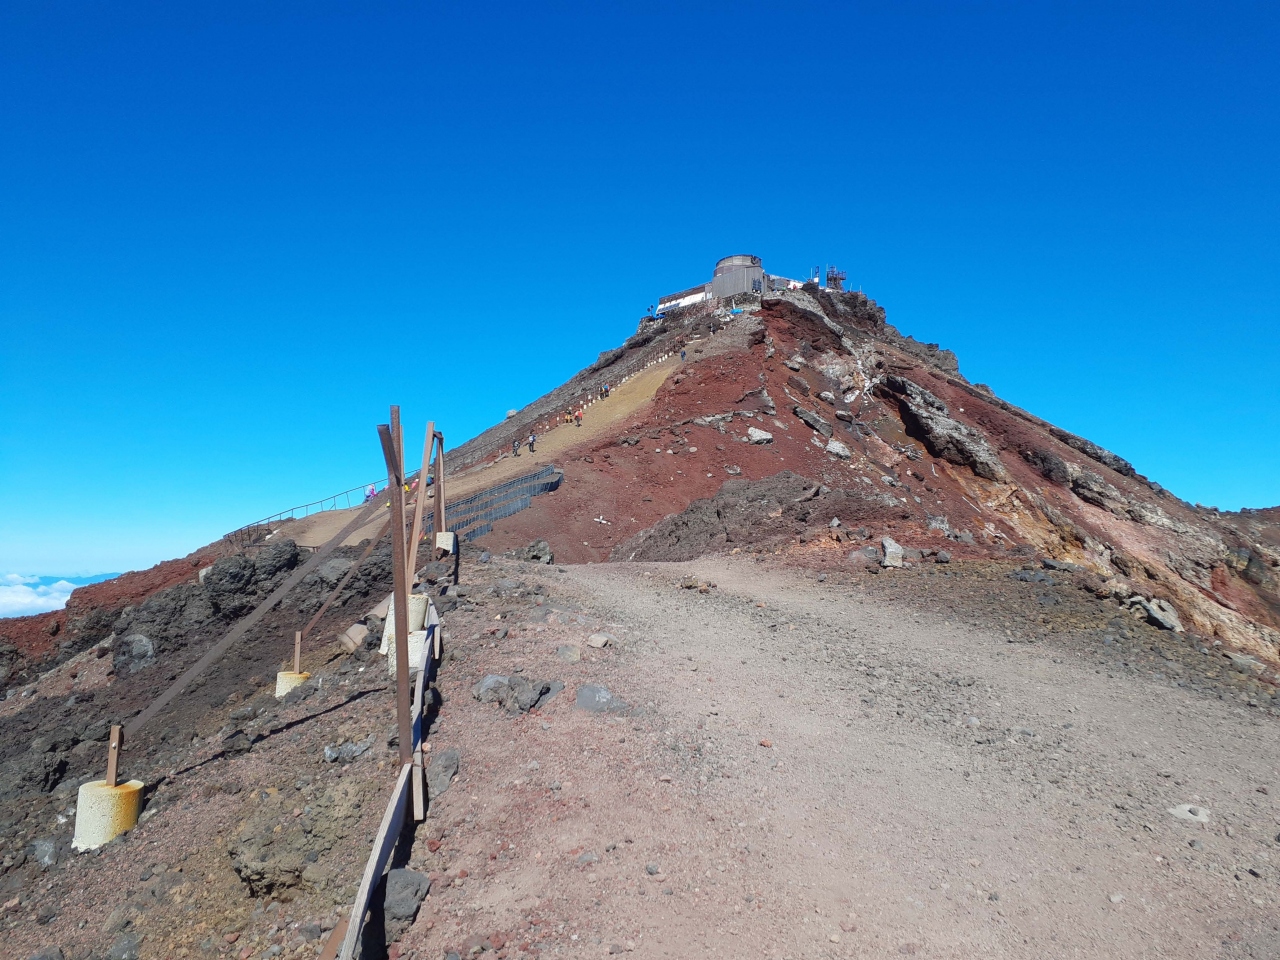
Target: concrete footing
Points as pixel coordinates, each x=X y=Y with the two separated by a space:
x=103 y=813
x=418 y=603
x=286 y=680
x=417 y=643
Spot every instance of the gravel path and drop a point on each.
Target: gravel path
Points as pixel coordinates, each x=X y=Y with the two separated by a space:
x=928 y=787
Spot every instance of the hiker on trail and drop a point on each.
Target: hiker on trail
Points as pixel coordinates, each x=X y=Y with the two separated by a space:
x=515 y=447
x=370 y=493
x=533 y=438
x=606 y=390
x=577 y=418
x=682 y=355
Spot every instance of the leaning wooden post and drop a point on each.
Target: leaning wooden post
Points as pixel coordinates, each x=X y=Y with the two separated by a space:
x=441 y=526
x=107 y=808
x=422 y=496
x=395 y=476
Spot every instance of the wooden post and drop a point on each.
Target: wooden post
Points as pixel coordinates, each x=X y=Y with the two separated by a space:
x=395 y=476
x=422 y=496
x=440 y=526
x=113 y=755
x=297 y=651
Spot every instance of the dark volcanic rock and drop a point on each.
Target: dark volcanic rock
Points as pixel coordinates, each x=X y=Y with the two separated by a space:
x=537 y=552
x=515 y=693
x=814 y=421
x=754 y=514
x=406 y=889
x=927 y=418
x=441 y=771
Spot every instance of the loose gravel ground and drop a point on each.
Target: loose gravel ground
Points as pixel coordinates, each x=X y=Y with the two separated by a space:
x=808 y=760
x=813 y=770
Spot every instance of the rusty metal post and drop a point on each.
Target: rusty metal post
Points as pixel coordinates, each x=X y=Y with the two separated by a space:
x=113 y=755
x=395 y=476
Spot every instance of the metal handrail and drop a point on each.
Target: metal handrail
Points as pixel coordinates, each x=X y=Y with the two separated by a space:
x=319 y=505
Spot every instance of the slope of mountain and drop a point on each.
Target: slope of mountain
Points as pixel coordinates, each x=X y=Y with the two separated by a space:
x=893 y=441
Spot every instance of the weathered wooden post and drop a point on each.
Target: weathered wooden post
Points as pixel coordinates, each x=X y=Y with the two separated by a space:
x=395 y=476
x=107 y=808
x=421 y=502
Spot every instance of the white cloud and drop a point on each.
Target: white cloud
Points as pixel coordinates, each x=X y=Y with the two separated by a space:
x=19 y=599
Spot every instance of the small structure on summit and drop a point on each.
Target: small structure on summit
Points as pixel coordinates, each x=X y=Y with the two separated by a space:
x=742 y=273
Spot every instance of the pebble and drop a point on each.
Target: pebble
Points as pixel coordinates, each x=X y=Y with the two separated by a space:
x=651 y=869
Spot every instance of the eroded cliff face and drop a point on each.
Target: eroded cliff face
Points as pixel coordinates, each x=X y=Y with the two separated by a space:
x=1027 y=483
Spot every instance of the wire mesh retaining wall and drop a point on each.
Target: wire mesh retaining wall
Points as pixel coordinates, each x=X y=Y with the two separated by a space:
x=474 y=516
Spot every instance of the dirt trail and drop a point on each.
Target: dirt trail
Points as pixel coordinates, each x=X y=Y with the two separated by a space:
x=601 y=419
x=802 y=778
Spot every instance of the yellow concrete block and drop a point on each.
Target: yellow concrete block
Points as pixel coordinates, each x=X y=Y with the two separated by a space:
x=286 y=680
x=103 y=813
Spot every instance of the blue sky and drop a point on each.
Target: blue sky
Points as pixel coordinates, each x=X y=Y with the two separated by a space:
x=222 y=224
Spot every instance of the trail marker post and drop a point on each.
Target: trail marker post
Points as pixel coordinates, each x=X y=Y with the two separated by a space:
x=395 y=477
x=107 y=808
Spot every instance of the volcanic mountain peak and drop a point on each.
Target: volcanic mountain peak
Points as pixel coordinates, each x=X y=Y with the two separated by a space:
x=895 y=441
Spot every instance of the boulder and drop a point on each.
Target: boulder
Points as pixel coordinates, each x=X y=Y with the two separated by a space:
x=892 y=553
x=537 y=552
x=838 y=449
x=514 y=693
x=135 y=652
x=333 y=570
x=441 y=771
x=406 y=889
x=1160 y=613
x=813 y=420
x=927 y=418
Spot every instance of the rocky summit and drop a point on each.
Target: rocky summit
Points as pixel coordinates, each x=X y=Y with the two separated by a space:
x=795 y=643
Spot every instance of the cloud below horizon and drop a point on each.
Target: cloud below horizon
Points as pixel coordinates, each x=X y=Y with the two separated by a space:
x=22 y=596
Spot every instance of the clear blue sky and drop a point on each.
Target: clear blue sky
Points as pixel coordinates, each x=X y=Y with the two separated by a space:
x=221 y=223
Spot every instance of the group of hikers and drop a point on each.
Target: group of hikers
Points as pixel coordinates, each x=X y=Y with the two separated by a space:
x=570 y=416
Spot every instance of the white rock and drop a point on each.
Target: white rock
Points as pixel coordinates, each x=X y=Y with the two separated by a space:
x=1191 y=811
x=892 y=553
x=599 y=640
x=839 y=449
x=756 y=435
